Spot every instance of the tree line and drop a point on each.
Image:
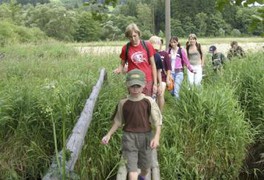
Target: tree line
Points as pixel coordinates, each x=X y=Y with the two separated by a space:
x=83 y=21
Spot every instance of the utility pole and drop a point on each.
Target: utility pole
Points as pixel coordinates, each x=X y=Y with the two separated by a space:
x=167 y=22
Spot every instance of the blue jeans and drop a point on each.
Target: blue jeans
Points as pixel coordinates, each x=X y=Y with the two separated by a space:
x=178 y=78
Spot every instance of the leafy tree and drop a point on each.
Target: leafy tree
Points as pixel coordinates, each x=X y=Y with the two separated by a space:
x=144 y=17
x=205 y=6
x=71 y=4
x=182 y=8
x=176 y=28
x=129 y=9
x=62 y=24
x=216 y=22
x=257 y=20
x=200 y=23
x=88 y=29
x=54 y=20
x=110 y=31
x=122 y=21
x=11 y=12
x=244 y=19
x=33 y=2
x=229 y=13
x=188 y=26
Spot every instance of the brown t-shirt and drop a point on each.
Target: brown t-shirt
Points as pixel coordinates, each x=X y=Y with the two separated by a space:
x=137 y=114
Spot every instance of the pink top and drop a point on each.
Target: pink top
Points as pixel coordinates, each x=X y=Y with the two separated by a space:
x=185 y=60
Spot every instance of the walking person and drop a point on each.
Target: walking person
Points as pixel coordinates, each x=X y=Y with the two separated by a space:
x=195 y=56
x=137 y=115
x=178 y=60
x=218 y=59
x=235 y=51
x=155 y=41
x=139 y=54
x=164 y=72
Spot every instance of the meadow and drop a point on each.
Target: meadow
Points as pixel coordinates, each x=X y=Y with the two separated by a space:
x=208 y=134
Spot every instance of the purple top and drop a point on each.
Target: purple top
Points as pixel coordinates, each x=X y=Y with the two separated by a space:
x=166 y=62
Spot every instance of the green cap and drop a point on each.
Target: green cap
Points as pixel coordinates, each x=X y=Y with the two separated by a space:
x=135 y=77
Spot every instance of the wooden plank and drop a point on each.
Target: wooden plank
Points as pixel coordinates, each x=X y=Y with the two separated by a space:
x=121 y=173
x=155 y=171
x=76 y=139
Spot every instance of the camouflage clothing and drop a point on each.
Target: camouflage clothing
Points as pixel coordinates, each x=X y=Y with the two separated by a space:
x=218 y=60
x=235 y=52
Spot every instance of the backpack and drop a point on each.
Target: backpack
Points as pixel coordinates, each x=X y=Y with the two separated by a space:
x=127 y=48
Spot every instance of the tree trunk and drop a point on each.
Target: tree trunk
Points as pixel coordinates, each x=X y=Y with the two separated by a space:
x=167 y=22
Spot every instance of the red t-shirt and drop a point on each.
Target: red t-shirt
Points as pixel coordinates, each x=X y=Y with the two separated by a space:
x=138 y=58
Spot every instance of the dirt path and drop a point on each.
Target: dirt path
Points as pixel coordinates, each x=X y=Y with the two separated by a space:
x=248 y=47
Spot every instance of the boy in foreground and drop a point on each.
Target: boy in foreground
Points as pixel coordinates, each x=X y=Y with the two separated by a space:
x=137 y=115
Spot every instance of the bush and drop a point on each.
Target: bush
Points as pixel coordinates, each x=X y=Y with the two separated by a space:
x=235 y=33
x=146 y=34
x=10 y=34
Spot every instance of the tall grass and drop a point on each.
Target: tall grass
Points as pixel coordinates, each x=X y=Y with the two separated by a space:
x=205 y=134
x=38 y=84
x=248 y=76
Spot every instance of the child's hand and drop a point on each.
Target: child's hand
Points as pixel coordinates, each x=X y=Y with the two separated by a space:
x=105 y=139
x=117 y=71
x=154 y=143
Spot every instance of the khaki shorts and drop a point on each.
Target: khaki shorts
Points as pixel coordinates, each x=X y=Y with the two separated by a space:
x=136 y=150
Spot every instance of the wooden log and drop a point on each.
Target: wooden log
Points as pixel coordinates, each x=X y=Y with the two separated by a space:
x=155 y=171
x=76 y=139
x=121 y=173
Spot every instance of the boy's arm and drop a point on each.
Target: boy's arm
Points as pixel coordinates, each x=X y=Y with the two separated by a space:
x=154 y=73
x=117 y=122
x=168 y=76
x=159 y=81
x=155 y=141
x=113 y=129
x=120 y=68
x=156 y=119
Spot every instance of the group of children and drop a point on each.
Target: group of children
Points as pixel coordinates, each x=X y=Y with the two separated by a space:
x=148 y=70
x=218 y=58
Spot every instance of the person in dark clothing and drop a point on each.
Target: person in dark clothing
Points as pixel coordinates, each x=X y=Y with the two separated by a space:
x=218 y=58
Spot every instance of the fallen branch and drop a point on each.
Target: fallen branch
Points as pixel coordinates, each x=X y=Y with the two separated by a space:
x=76 y=139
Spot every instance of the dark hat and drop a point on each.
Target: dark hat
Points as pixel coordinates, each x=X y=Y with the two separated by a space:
x=212 y=48
x=135 y=77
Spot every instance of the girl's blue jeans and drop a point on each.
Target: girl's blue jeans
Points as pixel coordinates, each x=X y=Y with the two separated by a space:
x=178 y=78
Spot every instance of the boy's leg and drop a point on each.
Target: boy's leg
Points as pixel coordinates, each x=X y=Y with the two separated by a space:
x=145 y=154
x=130 y=154
x=143 y=173
x=133 y=175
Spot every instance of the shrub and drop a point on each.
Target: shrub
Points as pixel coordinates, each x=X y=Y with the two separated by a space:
x=235 y=33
